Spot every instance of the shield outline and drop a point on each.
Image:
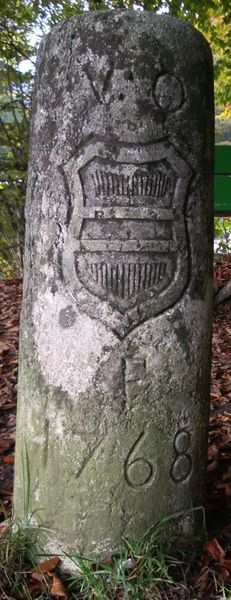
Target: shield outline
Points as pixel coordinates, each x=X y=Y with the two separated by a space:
x=119 y=320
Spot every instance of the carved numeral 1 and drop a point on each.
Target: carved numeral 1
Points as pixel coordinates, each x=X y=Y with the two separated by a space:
x=137 y=471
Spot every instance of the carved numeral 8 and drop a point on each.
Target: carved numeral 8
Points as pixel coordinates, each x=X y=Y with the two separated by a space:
x=183 y=464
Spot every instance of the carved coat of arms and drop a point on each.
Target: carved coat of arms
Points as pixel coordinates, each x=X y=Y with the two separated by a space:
x=127 y=241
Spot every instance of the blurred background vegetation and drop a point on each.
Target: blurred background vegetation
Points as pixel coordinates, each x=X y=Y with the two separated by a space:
x=22 y=24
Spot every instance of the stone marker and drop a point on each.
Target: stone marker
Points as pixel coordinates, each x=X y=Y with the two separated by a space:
x=116 y=322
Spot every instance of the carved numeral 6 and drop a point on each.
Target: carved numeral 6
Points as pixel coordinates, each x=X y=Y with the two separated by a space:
x=137 y=471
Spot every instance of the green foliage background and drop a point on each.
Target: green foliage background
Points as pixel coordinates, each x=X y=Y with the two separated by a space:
x=222 y=233
x=21 y=22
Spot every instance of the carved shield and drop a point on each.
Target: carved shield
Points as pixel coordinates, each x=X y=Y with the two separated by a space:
x=128 y=228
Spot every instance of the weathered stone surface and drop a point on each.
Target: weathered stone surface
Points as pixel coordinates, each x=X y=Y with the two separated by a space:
x=115 y=331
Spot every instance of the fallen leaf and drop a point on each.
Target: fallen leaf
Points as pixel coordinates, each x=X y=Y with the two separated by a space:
x=226 y=387
x=36 y=588
x=4 y=528
x=9 y=406
x=8 y=460
x=214 y=550
x=224 y=575
x=5 y=345
x=226 y=487
x=57 y=587
x=5 y=445
x=109 y=560
x=37 y=576
x=5 y=492
x=38 y=584
x=13 y=361
x=47 y=565
x=212 y=466
x=202 y=581
x=213 y=451
x=227 y=475
x=227 y=563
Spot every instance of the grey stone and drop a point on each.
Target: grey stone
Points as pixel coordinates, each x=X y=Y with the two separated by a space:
x=116 y=322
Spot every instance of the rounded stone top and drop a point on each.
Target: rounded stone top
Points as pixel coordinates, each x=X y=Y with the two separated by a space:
x=122 y=76
x=164 y=24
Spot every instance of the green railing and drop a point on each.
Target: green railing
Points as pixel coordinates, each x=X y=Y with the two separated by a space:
x=222 y=194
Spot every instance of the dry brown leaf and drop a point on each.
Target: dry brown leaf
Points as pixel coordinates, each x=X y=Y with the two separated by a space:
x=202 y=581
x=12 y=361
x=109 y=560
x=5 y=444
x=5 y=345
x=214 y=550
x=6 y=491
x=212 y=466
x=57 y=587
x=4 y=507
x=35 y=588
x=225 y=418
x=39 y=582
x=9 y=406
x=4 y=528
x=9 y=459
x=227 y=475
x=224 y=576
x=226 y=487
x=213 y=451
x=37 y=576
x=214 y=433
x=47 y=565
x=227 y=564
